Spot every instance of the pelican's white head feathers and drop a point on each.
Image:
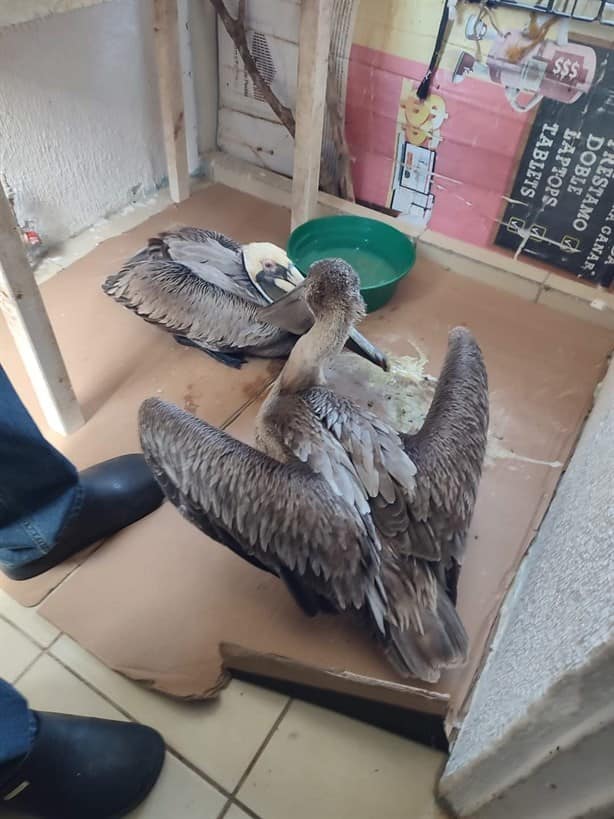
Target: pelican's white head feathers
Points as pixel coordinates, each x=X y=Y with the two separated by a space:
x=270 y=269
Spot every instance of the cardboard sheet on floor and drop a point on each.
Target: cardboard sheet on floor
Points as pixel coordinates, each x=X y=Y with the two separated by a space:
x=167 y=606
x=115 y=359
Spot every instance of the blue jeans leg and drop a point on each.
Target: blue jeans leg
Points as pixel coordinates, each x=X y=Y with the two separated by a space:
x=17 y=724
x=39 y=487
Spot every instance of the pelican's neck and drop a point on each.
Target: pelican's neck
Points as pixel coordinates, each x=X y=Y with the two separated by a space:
x=314 y=351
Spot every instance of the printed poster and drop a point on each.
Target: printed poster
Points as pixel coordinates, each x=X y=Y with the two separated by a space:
x=512 y=150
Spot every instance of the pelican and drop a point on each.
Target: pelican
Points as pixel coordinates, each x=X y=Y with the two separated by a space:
x=352 y=515
x=228 y=300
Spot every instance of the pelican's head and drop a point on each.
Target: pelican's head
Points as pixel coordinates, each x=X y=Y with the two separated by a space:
x=333 y=288
x=270 y=270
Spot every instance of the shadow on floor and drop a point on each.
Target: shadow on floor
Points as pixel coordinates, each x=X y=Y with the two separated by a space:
x=427 y=729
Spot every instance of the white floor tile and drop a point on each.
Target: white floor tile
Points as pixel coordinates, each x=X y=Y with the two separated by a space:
x=49 y=686
x=16 y=651
x=28 y=620
x=235 y=812
x=180 y=794
x=218 y=737
x=321 y=764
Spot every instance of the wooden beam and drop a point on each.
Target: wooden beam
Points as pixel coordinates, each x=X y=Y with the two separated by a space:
x=27 y=319
x=314 y=47
x=171 y=97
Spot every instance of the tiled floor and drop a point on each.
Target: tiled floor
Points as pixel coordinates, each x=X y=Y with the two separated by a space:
x=250 y=753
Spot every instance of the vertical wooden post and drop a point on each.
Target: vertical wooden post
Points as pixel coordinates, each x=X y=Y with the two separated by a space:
x=171 y=97
x=25 y=313
x=314 y=47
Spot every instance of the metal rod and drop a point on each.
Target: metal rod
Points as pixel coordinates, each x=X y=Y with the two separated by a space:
x=560 y=8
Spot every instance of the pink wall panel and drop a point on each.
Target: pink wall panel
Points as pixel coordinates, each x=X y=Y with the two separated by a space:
x=476 y=159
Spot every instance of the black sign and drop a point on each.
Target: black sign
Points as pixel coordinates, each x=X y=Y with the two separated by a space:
x=561 y=208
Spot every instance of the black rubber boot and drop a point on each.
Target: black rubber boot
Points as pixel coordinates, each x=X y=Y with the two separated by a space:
x=83 y=768
x=116 y=493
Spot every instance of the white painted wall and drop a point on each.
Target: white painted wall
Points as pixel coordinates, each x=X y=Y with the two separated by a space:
x=79 y=117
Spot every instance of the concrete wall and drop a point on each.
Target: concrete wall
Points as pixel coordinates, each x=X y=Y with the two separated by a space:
x=80 y=130
x=546 y=687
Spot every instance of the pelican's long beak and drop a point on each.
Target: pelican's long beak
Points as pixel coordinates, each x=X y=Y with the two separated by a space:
x=294 y=274
x=359 y=344
x=290 y=312
x=277 y=279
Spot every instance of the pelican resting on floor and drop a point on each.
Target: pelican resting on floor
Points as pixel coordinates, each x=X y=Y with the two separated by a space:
x=228 y=300
x=352 y=515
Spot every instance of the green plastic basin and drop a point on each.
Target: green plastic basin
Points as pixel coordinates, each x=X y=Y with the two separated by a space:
x=379 y=253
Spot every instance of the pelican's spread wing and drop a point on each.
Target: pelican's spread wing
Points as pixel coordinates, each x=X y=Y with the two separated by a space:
x=449 y=448
x=363 y=462
x=281 y=516
x=448 y=452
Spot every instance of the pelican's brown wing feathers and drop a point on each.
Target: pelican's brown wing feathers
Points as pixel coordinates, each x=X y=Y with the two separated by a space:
x=302 y=438
x=281 y=516
x=360 y=456
x=207 y=305
x=363 y=462
x=449 y=449
x=209 y=255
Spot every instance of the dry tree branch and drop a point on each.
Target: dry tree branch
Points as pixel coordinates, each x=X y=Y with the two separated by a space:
x=236 y=32
x=342 y=183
